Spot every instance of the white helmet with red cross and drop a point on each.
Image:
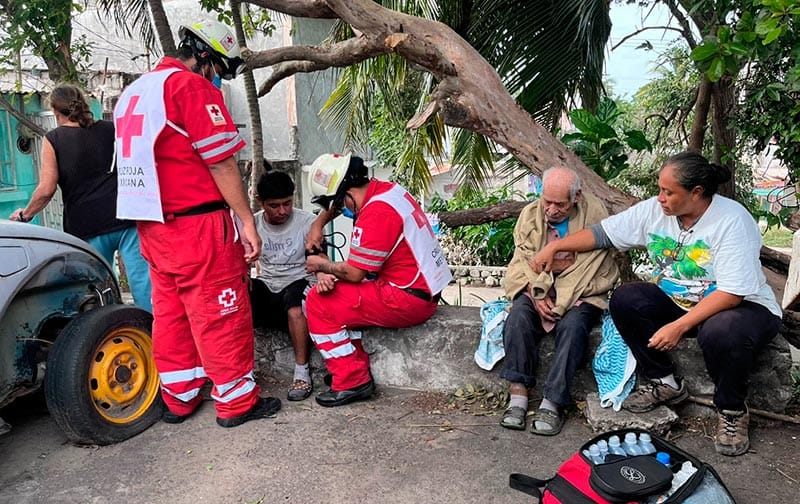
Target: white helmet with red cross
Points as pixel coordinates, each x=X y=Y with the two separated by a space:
x=218 y=41
x=326 y=174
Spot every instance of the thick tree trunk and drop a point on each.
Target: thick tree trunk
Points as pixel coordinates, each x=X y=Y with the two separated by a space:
x=723 y=99
x=161 y=24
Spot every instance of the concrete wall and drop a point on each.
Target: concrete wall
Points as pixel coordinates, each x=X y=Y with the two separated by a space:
x=438 y=355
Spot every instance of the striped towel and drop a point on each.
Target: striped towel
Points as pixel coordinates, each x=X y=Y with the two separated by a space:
x=613 y=366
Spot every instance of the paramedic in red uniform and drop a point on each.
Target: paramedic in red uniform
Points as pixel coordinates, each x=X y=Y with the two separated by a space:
x=393 y=275
x=177 y=177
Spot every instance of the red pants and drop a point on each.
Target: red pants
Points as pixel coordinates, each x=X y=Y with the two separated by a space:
x=202 y=325
x=333 y=320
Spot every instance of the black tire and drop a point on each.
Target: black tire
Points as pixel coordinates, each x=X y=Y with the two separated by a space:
x=101 y=384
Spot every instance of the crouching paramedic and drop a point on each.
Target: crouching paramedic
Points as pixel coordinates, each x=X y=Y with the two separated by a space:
x=179 y=180
x=393 y=275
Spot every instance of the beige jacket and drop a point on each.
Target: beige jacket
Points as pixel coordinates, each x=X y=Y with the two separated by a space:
x=589 y=279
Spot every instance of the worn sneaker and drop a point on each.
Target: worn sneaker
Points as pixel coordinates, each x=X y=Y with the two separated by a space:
x=652 y=394
x=732 y=432
x=265 y=407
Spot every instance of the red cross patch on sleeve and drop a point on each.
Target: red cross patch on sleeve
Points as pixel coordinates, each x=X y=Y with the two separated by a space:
x=216 y=115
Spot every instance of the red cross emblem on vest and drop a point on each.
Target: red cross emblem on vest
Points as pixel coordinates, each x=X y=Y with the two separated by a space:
x=129 y=125
x=419 y=216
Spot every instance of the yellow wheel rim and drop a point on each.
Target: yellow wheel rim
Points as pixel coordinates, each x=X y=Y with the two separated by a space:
x=123 y=381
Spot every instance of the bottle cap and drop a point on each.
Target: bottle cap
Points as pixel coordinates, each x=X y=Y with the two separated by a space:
x=663 y=457
x=630 y=438
x=645 y=437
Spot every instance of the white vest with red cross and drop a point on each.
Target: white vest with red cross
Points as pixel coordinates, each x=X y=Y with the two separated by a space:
x=139 y=117
x=421 y=240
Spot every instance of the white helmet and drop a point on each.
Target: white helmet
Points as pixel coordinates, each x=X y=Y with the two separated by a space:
x=326 y=175
x=217 y=40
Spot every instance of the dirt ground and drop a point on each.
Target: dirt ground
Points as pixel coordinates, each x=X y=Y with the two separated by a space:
x=403 y=447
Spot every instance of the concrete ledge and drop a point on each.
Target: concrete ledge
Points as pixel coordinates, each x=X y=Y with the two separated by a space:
x=438 y=356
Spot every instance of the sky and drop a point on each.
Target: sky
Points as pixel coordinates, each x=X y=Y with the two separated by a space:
x=630 y=68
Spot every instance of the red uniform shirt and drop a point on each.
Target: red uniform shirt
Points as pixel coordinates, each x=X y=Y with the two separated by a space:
x=195 y=106
x=375 y=234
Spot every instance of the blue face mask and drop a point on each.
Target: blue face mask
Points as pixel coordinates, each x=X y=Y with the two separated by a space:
x=347 y=213
x=217 y=81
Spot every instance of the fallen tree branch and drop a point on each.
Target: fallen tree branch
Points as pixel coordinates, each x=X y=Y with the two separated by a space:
x=474 y=216
x=762 y=413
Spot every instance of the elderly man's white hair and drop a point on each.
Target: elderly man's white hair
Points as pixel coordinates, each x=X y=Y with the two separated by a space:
x=565 y=174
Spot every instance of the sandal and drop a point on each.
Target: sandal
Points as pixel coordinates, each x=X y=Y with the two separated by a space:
x=553 y=420
x=514 y=418
x=299 y=390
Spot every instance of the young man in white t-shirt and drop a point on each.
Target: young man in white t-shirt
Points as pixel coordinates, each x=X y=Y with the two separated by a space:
x=279 y=288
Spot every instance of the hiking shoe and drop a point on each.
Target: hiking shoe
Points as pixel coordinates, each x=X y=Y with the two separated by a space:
x=732 y=432
x=652 y=394
x=265 y=407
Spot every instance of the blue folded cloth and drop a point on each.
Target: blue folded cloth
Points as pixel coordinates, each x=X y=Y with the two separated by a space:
x=490 y=348
x=613 y=366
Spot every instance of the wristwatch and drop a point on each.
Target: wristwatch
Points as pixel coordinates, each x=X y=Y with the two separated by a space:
x=21 y=217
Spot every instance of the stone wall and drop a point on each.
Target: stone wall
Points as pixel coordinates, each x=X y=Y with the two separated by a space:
x=438 y=356
x=481 y=276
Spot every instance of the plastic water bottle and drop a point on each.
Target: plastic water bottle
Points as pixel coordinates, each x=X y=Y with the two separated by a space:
x=664 y=458
x=682 y=476
x=603 y=445
x=646 y=444
x=615 y=447
x=594 y=454
x=678 y=479
x=630 y=446
x=587 y=454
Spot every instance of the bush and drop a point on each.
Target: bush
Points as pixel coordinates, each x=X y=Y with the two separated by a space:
x=490 y=244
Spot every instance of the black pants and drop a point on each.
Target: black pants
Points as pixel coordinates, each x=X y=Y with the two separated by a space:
x=522 y=335
x=729 y=340
x=269 y=308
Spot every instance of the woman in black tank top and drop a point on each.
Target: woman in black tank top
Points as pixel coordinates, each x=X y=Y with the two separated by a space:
x=78 y=157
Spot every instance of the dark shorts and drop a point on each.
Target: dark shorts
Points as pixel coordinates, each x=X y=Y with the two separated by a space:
x=269 y=308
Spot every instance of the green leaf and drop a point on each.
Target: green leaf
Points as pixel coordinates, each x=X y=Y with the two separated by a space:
x=731 y=65
x=716 y=70
x=766 y=25
x=773 y=94
x=571 y=137
x=704 y=51
x=772 y=35
x=604 y=130
x=724 y=34
x=748 y=36
x=637 y=141
x=738 y=49
x=583 y=120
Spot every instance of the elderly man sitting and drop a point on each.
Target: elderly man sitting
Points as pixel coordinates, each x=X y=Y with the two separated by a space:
x=566 y=301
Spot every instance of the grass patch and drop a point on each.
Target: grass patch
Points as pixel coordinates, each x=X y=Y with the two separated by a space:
x=777 y=237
